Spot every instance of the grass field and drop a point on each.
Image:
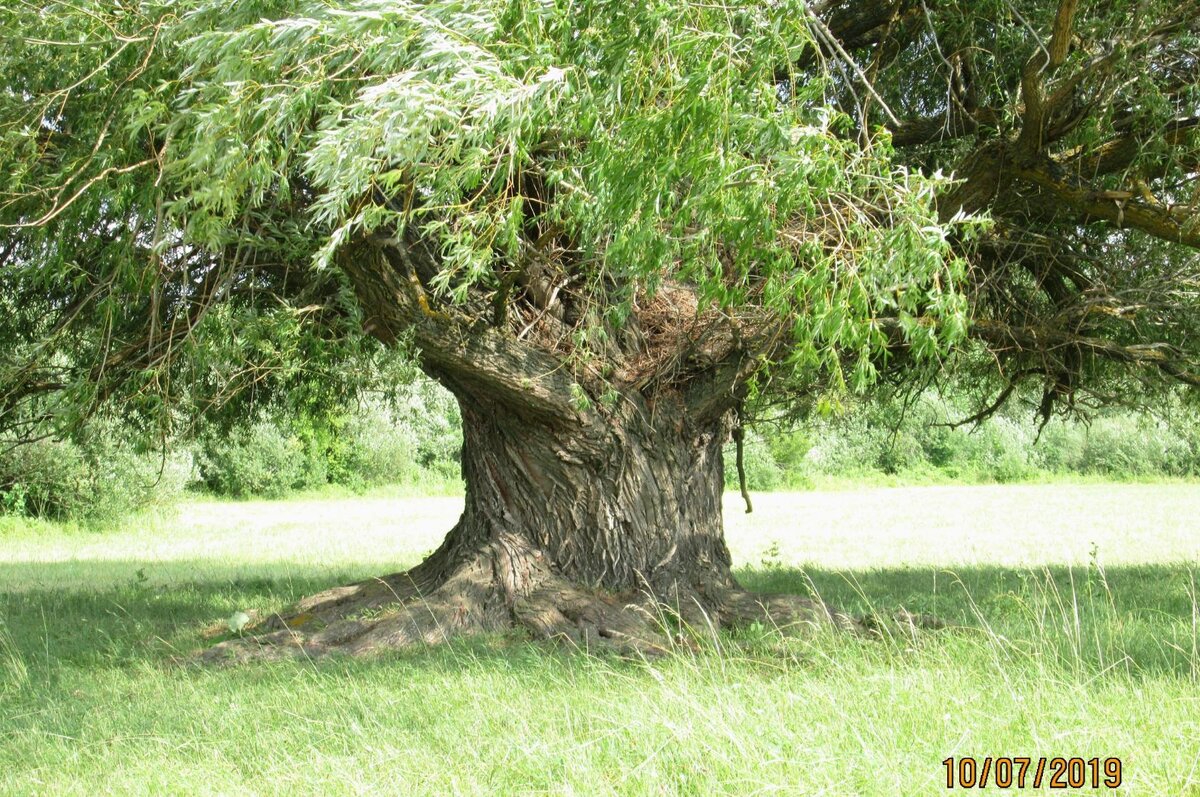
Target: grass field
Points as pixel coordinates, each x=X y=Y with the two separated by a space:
x=1076 y=633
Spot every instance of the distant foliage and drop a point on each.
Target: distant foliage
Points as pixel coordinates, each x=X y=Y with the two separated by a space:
x=412 y=437
x=46 y=478
x=262 y=460
x=379 y=451
x=887 y=438
x=1123 y=446
x=99 y=478
x=429 y=417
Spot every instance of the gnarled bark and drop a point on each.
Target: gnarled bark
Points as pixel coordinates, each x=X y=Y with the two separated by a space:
x=605 y=532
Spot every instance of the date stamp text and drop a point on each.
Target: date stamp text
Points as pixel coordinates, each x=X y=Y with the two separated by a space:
x=1022 y=772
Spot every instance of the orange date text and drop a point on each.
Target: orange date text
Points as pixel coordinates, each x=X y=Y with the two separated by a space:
x=1021 y=772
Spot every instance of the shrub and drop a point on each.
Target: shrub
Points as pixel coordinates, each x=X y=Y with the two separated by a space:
x=430 y=416
x=259 y=460
x=1122 y=446
x=788 y=448
x=414 y=436
x=100 y=478
x=45 y=478
x=381 y=451
x=126 y=478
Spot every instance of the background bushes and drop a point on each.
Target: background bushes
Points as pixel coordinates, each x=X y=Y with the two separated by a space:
x=262 y=459
x=916 y=441
x=100 y=477
x=412 y=437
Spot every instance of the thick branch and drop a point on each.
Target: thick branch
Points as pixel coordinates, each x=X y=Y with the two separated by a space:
x=860 y=24
x=1175 y=225
x=1162 y=356
x=465 y=357
x=1014 y=339
x=1120 y=153
x=1039 y=66
x=1060 y=39
x=956 y=124
x=1000 y=400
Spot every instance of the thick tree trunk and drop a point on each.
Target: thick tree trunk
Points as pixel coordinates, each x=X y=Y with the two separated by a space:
x=599 y=527
x=629 y=503
x=601 y=533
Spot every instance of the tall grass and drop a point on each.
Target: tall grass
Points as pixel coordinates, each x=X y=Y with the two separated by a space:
x=1067 y=649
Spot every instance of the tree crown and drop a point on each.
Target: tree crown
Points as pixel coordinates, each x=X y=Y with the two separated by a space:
x=651 y=193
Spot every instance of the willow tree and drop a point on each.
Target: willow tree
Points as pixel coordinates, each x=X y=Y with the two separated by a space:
x=610 y=229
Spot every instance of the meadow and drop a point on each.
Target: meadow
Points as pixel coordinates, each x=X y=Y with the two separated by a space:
x=1074 y=631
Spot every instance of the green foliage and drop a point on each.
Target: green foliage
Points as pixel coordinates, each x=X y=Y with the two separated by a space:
x=99 y=479
x=238 y=153
x=411 y=437
x=890 y=438
x=429 y=416
x=380 y=452
x=46 y=478
x=1124 y=445
x=259 y=460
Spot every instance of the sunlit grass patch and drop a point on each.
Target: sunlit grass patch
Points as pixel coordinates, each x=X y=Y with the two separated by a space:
x=1080 y=645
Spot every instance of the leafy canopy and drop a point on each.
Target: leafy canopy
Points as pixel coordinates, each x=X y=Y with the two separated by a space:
x=163 y=158
x=664 y=140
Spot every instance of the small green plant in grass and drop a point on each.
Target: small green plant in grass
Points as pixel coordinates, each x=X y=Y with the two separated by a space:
x=237 y=622
x=772 y=558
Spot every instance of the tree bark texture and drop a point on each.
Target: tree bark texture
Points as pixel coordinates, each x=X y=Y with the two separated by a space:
x=606 y=533
x=593 y=523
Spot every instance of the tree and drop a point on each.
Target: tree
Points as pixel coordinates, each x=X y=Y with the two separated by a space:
x=612 y=230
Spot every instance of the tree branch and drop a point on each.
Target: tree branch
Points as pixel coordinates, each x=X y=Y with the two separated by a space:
x=995 y=406
x=1119 y=154
x=956 y=124
x=1040 y=65
x=466 y=358
x=1119 y=208
x=1162 y=356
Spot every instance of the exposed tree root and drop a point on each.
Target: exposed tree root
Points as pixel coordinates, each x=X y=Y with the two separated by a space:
x=631 y=625
x=504 y=588
x=601 y=533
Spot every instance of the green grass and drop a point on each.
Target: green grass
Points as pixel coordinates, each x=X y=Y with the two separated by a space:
x=950 y=477
x=1076 y=608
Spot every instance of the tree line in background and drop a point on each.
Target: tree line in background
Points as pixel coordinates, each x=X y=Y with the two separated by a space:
x=413 y=439
x=923 y=439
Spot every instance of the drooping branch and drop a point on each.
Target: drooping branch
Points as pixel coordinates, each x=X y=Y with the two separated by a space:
x=141 y=345
x=1160 y=355
x=1001 y=399
x=1041 y=342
